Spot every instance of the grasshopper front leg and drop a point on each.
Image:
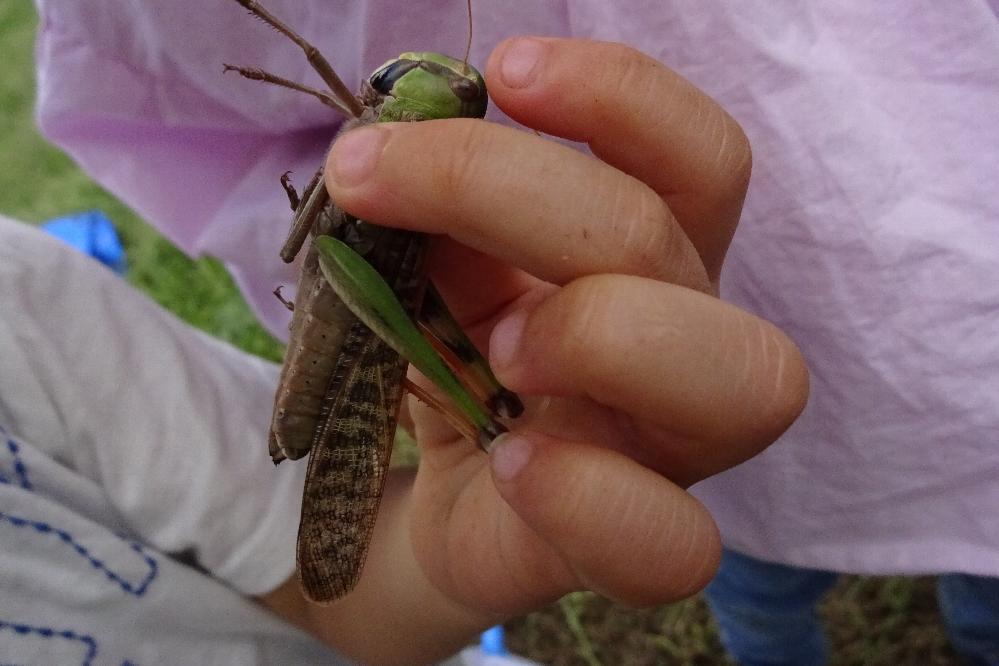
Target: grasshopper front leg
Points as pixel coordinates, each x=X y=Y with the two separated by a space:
x=314 y=199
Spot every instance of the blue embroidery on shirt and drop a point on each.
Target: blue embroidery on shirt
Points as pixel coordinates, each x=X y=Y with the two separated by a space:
x=65 y=634
x=81 y=550
x=20 y=469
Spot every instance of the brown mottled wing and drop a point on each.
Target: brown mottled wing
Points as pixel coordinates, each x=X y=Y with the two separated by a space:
x=353 y=442
x=346 y=474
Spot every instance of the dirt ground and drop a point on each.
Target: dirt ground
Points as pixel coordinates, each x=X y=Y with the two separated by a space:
x=870 y=622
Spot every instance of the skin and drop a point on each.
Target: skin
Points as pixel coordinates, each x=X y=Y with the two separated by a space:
x=591 y=279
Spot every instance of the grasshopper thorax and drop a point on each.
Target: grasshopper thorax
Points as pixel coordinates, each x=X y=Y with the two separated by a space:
x=426 y=86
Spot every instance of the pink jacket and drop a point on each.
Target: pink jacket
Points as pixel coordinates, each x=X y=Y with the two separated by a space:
x=871 y=231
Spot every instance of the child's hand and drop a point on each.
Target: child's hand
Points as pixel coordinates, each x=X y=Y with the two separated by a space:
x=594 y=280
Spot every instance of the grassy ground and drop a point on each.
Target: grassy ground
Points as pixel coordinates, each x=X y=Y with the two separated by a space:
x=871 y=621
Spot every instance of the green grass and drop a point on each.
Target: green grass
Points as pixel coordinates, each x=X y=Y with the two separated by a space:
x=871 y=622
x=38 y=182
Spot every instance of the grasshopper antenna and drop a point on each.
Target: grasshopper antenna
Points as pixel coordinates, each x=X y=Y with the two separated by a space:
x=468 y=45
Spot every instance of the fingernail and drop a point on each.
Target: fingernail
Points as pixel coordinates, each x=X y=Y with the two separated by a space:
x=521 y=62
x=505 y=339
x=355 y=155
x=509 y=455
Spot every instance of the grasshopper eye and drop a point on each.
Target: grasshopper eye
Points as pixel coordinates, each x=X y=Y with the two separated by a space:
x=465 y=89
x=384 y=79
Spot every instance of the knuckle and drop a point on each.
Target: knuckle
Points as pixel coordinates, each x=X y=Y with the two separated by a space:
x=651 y=242
x=632 y=68
x=723 y=161
x=584 y=318
x=660 y=92
x=735 y=156
x=629 y=74
x=782 y=380
x=728 y=160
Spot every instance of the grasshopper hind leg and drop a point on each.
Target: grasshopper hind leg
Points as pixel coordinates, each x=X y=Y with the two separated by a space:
x=464 y=358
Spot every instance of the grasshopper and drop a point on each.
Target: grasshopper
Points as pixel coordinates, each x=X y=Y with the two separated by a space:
x=343 y=377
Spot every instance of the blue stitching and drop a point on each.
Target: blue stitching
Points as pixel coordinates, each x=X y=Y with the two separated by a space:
x=67 y=538
x=20 y=469
x=45 y=528
x=66 y=634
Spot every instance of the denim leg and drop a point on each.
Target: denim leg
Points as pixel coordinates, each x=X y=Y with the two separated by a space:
x=766 y=611
x=970 y=607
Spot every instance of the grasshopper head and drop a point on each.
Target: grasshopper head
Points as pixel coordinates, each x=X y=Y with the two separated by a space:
x=425 y=86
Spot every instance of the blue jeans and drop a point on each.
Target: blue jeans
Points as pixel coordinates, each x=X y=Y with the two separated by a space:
x=766 y=613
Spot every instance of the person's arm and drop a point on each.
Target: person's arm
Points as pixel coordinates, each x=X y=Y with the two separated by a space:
x=596 y=280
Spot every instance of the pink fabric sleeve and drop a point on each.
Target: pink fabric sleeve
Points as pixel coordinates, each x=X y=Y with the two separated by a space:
x=869 y=233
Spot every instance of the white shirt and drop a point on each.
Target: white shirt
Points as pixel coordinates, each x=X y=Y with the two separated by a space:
x=120 y=442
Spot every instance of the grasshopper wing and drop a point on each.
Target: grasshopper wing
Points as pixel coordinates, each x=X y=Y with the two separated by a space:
x=347 y=468
x=353 y=441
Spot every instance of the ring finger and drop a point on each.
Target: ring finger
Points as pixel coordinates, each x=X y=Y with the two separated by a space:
x=711 y=383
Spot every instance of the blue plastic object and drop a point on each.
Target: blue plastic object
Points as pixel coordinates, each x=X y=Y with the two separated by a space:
x=91 y=233
x=491 y=652
x=491 y=642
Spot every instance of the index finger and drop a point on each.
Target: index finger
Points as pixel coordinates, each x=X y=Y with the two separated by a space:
x=549 y=209
x=544 y=207
x=639 y=116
